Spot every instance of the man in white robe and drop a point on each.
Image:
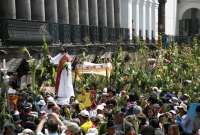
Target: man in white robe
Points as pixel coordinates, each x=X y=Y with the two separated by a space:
x=64 y=86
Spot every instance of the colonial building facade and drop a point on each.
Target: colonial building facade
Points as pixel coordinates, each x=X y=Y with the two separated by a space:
x=141 y=17
x=62 y=20
x=78 y=20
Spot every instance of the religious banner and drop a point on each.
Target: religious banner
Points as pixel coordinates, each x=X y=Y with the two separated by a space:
x=92 y=68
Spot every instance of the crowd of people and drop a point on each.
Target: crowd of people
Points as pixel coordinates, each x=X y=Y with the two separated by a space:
x=108 y=113
x=60 y=110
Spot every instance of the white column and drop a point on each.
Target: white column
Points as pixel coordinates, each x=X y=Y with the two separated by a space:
x=102 y=13
x=141 y=18
x=117 y=10
x=51 y=12
x=136 y=17
x=155 y=5
x=23 y=9
x=149 y=19
x=170 y=17
x=73 y=12
x=63 y=11
x=83 y=12
x=130 y=17
x=38 y=10
x=156 y=19
x=8 y=9
x=144 y=20
x=153 y=20
x=93 y=12
x=110 y=13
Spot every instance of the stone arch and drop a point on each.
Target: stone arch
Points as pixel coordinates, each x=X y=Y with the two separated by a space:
x=188 y=5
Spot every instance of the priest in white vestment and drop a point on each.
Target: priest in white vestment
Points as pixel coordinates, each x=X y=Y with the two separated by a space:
x=64 y=86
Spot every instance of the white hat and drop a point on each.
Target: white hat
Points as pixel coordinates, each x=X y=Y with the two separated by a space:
x=186 y=95
x=100 y=107
x=151 y=60
x=156 y=89
x=26 y=132
x=105 y=91
x=100 y=117
x=103 y=104
x=174 y=100
x=51 y=100
x=41 y=102
x=188 y=81
x=84 y=113
x=183 y=106
x=160 y=115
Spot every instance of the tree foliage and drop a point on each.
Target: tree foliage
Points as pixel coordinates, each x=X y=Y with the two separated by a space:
x=177 y=70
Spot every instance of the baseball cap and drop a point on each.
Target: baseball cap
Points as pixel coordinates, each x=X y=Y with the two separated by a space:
x=84 y=113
